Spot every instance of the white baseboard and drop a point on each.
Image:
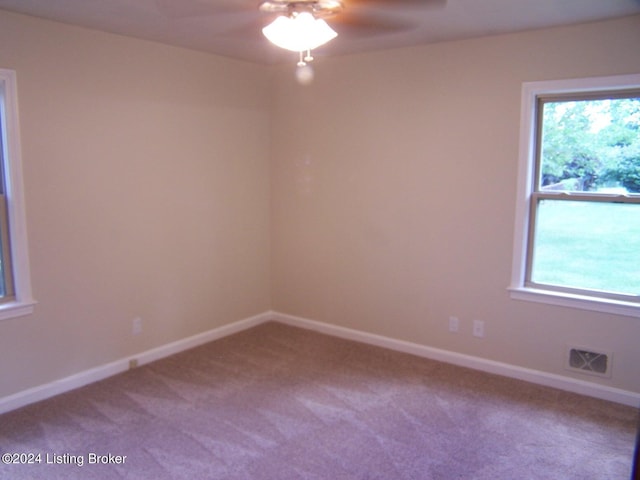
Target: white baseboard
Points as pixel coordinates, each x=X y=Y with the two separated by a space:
x=86 y=377
x=534 y=376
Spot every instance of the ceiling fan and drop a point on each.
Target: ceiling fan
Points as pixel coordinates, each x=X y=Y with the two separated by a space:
x=304 y=25
x=350 y=18
x=320 y=8
x=300 y=25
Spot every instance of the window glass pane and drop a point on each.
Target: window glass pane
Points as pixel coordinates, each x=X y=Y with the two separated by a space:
x=3 y=292
x=588 y=245
x=3 y=224
x=590 y=146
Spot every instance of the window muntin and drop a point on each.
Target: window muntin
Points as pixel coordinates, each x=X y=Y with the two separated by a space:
x=584 y=223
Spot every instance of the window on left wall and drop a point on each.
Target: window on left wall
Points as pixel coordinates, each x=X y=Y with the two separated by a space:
x=15 y=282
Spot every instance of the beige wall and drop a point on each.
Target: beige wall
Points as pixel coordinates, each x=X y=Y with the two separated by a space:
x=146 y=175
x=190 y=191
x=393 y=189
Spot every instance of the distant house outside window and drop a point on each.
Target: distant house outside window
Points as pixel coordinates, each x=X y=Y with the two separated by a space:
x=577 y=239
x=15 y=284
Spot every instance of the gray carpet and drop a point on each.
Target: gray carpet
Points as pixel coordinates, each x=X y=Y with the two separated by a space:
x=277 y=402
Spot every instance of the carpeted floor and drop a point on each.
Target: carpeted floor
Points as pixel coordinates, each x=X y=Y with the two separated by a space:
x=277 y=402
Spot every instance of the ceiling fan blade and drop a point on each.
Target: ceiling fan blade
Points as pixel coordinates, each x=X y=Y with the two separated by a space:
x=362 y=18
x=394 y=3
x=363 y=24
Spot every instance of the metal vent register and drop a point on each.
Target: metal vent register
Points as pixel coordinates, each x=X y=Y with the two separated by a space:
x=586 y=361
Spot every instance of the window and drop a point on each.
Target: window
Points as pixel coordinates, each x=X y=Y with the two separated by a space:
x=15 y=286
x=577 y=239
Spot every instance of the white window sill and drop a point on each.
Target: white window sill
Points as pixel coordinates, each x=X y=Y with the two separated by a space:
x=605 y=305
x=16 y=309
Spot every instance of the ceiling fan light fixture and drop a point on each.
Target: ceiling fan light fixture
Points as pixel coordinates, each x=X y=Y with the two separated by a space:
x=299 y=32
x=323 y=8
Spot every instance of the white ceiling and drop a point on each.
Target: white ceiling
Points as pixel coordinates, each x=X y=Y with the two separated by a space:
x=232 y=27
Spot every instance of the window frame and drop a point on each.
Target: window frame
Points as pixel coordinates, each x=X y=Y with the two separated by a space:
x=521 y=287
x=15 y=247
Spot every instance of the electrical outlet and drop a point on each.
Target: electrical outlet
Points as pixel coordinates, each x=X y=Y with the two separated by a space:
x=478 y=328
x=136 y=326
x=454 y=324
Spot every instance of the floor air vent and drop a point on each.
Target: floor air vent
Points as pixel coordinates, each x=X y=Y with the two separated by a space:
x=587 y=361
